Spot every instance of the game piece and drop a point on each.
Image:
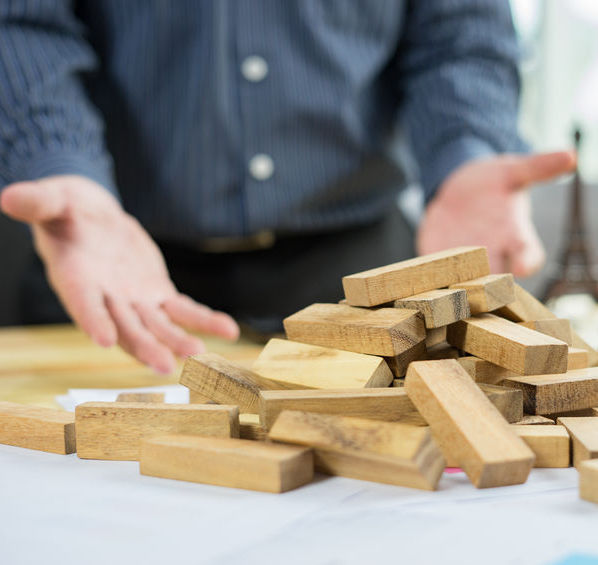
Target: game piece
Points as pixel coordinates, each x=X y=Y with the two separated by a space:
x=488 y=293
x=438 y=307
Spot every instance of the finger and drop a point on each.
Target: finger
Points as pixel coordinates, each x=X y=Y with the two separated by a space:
x=186 y=312
x=175 y=338
x=137 y=340
x=33 y=202
x=526 y=170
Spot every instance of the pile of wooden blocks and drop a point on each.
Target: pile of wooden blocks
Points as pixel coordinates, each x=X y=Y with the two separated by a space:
x=427 y=363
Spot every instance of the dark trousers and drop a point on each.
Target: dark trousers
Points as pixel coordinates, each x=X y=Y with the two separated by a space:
x=258 y=288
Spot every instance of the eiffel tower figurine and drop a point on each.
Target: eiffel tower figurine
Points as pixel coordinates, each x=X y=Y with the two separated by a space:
x=574 y=268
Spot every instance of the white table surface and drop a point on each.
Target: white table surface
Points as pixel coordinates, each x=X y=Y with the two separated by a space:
x=63 y=510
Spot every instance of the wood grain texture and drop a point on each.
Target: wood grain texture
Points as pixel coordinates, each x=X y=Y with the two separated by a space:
x=534 y=420
x=527 y=308
x=250 y=427
x=375 y=403
x=550 y=444
x=434 y=336
x=550 y=394
x=584 y=433
x=556 y=327
x=236 y=463
x=588 y=481
x=508 y=404
x=488 y=293
x=577 y=358
x=468 y=428
x=482 y=371
x=384 y=452
x=509 y=345
x=314 y=366
x=226 y=382
x=386 y=331
x=441 y=351
x=399 y=280
x=35 y=427
x=140 y=397
x=196 y=398
x=114 y=430
x=399 y=363
x=438 y=307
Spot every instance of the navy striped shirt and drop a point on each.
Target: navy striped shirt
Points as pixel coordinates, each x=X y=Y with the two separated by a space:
x=227 y=117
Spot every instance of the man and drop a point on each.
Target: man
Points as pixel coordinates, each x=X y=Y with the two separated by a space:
x=258 y=142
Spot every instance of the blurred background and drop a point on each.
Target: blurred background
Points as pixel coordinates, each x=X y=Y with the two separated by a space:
x=559 y=68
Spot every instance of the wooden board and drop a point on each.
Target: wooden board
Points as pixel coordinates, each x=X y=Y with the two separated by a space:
x=508 y=404
x=236 y=463
x=577 y=358
x=549 y=394
x=35 y=427
x=314 y=366
x=482 y=371
x=384 y=452
x=385 y=331
x=375 y=403
x=550 y=444
x=140 y=397
x=534 y=420
x=588 y=481
x=113 y=430
x=555 y=327
x=226 y=382
x=399 y=280
x=468 y=428
x=509 y=345
x=438 y=307
x=488 y=293
x=584 y=433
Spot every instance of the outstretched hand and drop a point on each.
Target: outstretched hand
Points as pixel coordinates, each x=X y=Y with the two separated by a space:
x=108 y=273
x=484 y=202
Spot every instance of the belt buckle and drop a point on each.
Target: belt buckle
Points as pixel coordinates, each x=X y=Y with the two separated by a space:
x=261 y=240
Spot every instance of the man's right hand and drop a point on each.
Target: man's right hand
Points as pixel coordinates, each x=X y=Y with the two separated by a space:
x=108 y=273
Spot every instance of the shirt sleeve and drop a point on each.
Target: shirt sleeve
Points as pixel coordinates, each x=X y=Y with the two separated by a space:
x=457 y=64
x=47 y=124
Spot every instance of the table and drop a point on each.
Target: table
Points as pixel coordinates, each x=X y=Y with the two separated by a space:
x=61 y=510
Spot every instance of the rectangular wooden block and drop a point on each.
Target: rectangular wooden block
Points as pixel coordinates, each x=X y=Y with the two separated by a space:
x=482 y=371
x=140 y=397
x=488 y=293
x=236 y=463
x=35 y=427
x=551 y=444
x=435 y=336
x=508 y=404
x=386 y=331
x=549 y=394
x=438 y=307
x=114 y=430
x=556 y=327
x=374 y=403
x=226 y=382
x=397 y=454
x=577 y=359
x=468 y=428
x=535 y=420
x=251 y=428
x=588 y=481
x=584 y=433
x=509 y=345
x=399 y=280
x=399 y=363
x=314 y=366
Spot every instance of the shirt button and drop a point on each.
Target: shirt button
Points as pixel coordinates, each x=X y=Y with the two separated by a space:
x=261 y=166
x=254 y=68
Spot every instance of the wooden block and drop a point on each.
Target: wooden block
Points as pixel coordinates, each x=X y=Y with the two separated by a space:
x=196 y=398
x=577 y=359
x=555 y=327
x=508 y=404
x=468 y=428
x=534 y=420
x=399 y=363
x=549 y=394
x=226 y=382
x=397 y=454
x=583 y=413
x=584 y=433
x=482 y=371
x=441 y=351
x=374 y=403
x=509 y=345
x=438 y=307
x=588 y=481
x=251 y=428
x=313 y=366
x=398 y=382
x=550 y=444
x=488 y=293
x=527 y=308
x=140 y=397
x=399 y=280
x=434 y=336
x=236 y=463
x=38 y=428
x=114 y=430
x=386 y=331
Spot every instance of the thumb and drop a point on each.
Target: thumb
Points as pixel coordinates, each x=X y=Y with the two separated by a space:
x=33 y=201
x=528 y=169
